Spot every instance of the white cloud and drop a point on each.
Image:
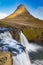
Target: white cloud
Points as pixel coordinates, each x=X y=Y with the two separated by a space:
x=38 y=13
x=2 y=15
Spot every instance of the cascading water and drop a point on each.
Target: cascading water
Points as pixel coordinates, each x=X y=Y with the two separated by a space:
x=9 y=44
x=19 y=51
x=29 y=46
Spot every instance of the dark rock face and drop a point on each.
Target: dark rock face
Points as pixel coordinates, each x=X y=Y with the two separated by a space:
x=15 y=33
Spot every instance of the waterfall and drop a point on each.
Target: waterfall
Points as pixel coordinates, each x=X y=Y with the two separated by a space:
x=29 y=46
x=9 y=44
x=19 y=50
x=21 y=59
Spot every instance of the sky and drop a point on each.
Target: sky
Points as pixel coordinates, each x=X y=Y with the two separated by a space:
x=35 y=7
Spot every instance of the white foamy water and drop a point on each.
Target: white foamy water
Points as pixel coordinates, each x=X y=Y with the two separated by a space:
x=19 y=59
x=17 y=48
x=30 y=47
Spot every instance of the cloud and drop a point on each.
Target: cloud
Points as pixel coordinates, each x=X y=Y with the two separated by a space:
x=38 y=13
x=2 y=15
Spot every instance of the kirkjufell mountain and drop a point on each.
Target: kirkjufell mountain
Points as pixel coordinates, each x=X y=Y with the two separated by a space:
x=21 y=16
x=22 y=19
x=21 y=10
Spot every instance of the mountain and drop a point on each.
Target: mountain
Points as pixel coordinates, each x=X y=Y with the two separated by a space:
x=20 y=10
x=21 y=19
x=21 y=16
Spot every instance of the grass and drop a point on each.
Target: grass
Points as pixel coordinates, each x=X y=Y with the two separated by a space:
x=33 y=34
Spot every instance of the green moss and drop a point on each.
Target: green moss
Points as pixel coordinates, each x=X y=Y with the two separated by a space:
x=32 y=33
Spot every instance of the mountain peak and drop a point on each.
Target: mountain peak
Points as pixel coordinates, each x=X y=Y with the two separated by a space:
x=21 y=5
x=20 y=10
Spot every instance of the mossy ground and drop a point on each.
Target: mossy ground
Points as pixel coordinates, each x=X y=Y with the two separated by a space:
x=33 y=34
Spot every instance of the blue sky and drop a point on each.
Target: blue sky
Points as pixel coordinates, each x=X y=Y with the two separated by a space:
x=35 y=7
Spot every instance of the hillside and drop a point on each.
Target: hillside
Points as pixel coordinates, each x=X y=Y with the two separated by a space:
x=21 y=19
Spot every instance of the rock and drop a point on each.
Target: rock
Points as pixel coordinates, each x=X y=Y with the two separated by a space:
x=5 y=58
